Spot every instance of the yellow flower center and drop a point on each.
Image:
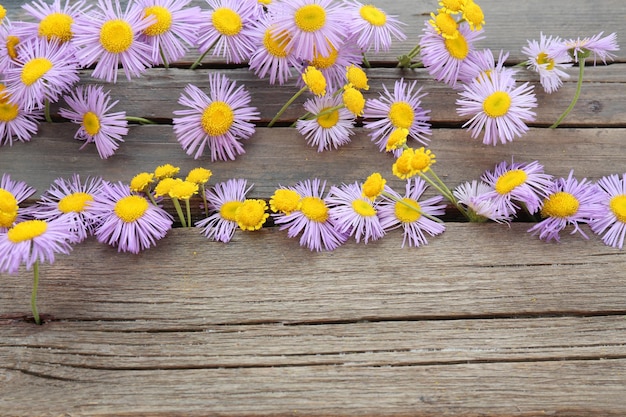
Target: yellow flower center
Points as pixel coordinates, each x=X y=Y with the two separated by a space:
x=217 y=118
x=618 y=207
x=251 y=215
x=543 y=58
x=91 y=123
x=276 y=43
x=228 y=210
x=508 y=181
x=164 y=186
x=457 y=47
x=422 y=159
x=227 y=21
x=75 y=202
x=11 y=44
x=314 y=209
x=363 y=208
x=445 y=25
x=8 y=111
x=407 y=210
x=183 y=190
x=310 y=18
x=357 y=77
x=163 y=20
x=166 y=171
x=373 y=15
x=373 y=186
x=8 y=208
x=561 y=204
x=285 y=200
x=56 y=26
x=401 y=114
x=131 y=208
x=141 y=182
x=323 y=62
x=396 y=139
x=314 y=79
x=497 y=104
x=27 y=230
x=116 y=36
x=474 y=15
x=452 y=6
x=199 y=175
x=3 y=12
x=353 y=100
x=328 y=119
x=402 y=167
x=34 y=69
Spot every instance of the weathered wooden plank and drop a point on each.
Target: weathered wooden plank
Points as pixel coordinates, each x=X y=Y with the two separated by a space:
x=123 y=346
x=471 y=270
x=280 y=156
x=567 y=388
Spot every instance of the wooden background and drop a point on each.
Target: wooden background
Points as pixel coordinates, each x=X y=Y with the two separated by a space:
x=485 y=320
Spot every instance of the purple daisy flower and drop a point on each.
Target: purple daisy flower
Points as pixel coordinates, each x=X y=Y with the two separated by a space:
x=373 y=27
x=569 y=202
x=596 y=45
x=271 y=56
x=228 y=29
x=109 y=37
x=219 y=121
x=497 y=107
x=54 y=21
x=16 y=123
x=45 y=71
x=12 y=194
x=442 y=57
x=311 y=219
x=333 y=65
x=470 y=195
x=90 y=108
x=127 y=220
x=354 y=214
x=482 y=63
x=12 y=35
x=410 y=214
x=612 y=221
x=223 y=199
x=175 y=29
x=548 y=58
x=314 y=26
x=32 y=241
x=70 y=198
x=329 y=130
x=400 y=109
x=524 y=183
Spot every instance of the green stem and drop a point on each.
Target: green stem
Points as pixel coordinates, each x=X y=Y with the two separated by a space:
x=206 y=208
x=449 y=195
x=151 y=197
x=179 y=210
x=140 y=120
x=165 y=63
x=324 y=112
x=366 y=63
x=188 y=212
x=579 y=84
x=201 y=57
x=46 y=111
x=33 y=296
x=287 y=104
x=444 y=190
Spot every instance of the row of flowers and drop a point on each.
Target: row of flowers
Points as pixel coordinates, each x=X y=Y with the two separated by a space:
x=321 y=45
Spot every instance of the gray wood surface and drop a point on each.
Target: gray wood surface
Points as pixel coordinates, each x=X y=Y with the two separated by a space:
x=486 y=320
